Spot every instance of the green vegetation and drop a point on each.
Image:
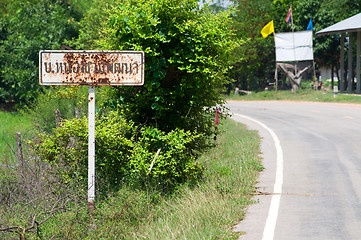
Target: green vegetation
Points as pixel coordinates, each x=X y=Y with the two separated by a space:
x=27 y=28
x=191 y=55
x=124 y=153
x=10 y=124
x=188 y=53
x=255 y=70
x=205 y=210
x=301 y=95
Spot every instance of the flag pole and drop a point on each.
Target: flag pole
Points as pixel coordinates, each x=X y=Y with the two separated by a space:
x=276 y=73
x=293 y=35
x=292 y=18
x=314 y=69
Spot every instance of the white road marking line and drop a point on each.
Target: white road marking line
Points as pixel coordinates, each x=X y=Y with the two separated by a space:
x=269 y=229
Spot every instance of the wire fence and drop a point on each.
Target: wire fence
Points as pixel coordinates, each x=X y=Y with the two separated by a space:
x=16 y=151
x=31 y=190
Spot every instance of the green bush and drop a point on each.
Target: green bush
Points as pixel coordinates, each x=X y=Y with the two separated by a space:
x=123 y=153
x=176 y=162
x=187 y=54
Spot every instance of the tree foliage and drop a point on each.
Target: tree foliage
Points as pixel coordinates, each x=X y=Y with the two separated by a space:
x=258 y=62
x=35 y=25
x=92 y=23
x=187 y=54
x=256 y=57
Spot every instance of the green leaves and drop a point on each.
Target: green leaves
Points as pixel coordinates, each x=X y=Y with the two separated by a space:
x=187 y=56
x=33 y=26
x=176 y=162
x=124 y=153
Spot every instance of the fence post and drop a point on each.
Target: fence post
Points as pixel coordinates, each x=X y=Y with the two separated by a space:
x=19 y=150
x=77 y=115
x=57 y=118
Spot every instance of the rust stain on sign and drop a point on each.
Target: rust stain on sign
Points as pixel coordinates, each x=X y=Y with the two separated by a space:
x=124 y=68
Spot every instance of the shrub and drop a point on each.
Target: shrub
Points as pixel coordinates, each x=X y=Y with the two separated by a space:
x=176 y=162
x=123 y=153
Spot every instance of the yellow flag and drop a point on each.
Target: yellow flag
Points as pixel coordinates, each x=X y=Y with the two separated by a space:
x=268 y=29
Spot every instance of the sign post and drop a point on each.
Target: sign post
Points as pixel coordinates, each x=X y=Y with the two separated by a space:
x=91 y=149
x=92 y=68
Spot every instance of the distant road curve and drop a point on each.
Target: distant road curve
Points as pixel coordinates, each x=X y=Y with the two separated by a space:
x=321 y=193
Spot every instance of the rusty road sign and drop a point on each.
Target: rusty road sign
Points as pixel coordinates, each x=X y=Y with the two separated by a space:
x=122 y=68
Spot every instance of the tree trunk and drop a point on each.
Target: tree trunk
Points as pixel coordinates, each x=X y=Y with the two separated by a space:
x=19 y=153
x=332 y=74
x=294 y=86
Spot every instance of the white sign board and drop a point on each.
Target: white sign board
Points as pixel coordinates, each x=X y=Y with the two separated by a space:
x=295 y=46
x=122 y=68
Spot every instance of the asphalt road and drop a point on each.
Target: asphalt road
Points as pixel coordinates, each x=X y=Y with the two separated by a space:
x=321 y=170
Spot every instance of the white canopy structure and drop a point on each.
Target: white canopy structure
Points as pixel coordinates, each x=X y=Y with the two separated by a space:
x=349 y=25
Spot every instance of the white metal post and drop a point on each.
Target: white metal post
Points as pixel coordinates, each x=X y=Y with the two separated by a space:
x=91 y=148
x=335 y=90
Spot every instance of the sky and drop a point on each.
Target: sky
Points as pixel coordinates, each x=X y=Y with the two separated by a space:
x=226 y=3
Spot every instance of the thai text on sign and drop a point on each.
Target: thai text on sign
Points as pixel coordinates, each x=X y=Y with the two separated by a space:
x=91 y=67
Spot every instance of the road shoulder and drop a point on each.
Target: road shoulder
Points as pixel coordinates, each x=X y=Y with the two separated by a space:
x=256 y=216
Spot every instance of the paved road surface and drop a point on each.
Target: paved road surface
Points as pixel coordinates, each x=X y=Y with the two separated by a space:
x=321 y=190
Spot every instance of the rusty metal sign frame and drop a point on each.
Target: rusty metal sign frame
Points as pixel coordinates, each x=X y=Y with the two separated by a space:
x=91 y=67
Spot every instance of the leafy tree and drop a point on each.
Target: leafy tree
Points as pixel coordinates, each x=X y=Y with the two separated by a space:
x=326 y=48
x=187 y=53
x=258 y=62
x=92 y=24
x=254 y=68
x=341 y=9
x=8 y=8
x=35 y=25
x=280 y=11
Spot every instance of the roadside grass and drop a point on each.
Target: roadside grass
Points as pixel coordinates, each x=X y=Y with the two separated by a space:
x=208 y=209
x=213 y=207
x=301 y=95
x=10 y=123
